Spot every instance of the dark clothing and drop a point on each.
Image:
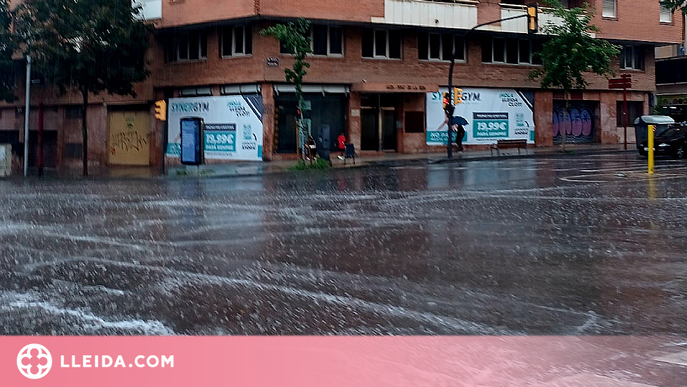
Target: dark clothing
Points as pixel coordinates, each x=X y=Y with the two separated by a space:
x=460 y=132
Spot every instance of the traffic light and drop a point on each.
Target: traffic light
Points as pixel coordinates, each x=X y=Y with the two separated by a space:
x=445 y=99
x=161 y=110
x=533 y=18
x=457 y=96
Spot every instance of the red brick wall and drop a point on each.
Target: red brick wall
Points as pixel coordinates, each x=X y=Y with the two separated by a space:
x=348 y=10
x=489 y=10
x=638 y=20
x=354 y=69
x=184 y=12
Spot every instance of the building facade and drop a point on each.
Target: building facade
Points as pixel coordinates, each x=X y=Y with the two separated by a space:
x=671 y=79
x=376 y=72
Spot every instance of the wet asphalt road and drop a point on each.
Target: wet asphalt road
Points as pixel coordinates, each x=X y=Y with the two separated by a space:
x=555 y=246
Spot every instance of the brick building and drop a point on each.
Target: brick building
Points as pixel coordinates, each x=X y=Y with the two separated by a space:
x=376 y=70
x=671 y=79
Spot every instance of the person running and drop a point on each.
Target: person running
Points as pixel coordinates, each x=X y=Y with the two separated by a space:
x=460 y=132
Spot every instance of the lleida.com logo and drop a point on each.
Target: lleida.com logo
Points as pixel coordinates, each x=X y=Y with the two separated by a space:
x=34 y=361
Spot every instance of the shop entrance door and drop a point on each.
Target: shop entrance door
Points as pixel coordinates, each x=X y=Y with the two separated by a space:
x=388 y=118
x=378 y=122
x=128 y=139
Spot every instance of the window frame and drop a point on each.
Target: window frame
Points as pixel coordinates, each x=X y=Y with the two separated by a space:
x=283 y=50
x=387 y=54
x=520 y=62
x=441 y=35
x=615 y=9
x=623 y=58
x=630 y=106
x=247 y=29
x=665 y=12
x=187 y=36
x=329 y=42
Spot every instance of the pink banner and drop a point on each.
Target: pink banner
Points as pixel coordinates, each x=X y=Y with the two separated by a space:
x=343 y=361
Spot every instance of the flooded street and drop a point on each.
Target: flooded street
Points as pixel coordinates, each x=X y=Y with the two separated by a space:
x=543 y=246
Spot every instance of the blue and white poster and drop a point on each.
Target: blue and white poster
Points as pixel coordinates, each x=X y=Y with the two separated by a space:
x=233 y=125
x=492 y=115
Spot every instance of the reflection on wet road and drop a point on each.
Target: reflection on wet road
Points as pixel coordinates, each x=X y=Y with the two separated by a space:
x=577 y=245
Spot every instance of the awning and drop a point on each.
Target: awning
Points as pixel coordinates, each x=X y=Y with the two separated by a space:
x=319 y=89
x=394 y=87
x=251 y=88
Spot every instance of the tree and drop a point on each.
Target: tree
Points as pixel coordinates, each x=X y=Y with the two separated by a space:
x=7 y=48
x=572 y=52
x=88 y=46
x=674 y=5
x=296 y=38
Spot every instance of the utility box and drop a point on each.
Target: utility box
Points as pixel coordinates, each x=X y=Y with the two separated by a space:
x=641 y=128
x=324 y=141
x=5 y=160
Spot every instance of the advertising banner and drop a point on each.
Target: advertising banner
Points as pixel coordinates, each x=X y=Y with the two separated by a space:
x=492 y=115
x=341 y=361
x=232 y=125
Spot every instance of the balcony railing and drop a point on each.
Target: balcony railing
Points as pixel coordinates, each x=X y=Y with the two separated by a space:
x=520 y=25
x=430 y=13
x=150 y=9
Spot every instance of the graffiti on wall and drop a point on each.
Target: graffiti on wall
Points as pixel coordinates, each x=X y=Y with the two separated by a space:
x=128 y=142
x=577 y=122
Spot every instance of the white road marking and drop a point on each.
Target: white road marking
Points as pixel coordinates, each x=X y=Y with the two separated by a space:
x=679 y=358
x=591 y=380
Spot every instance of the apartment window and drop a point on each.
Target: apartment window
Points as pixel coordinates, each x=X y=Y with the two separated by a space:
x=73 y=112
x=666 y=15
x=187 y=46
x=327 y=40
x=610 y=8
x=237 y=41
x=632 y=58
x=634 y=110
x=433 y=46
x=572 y=3
x=511 y=51
x=324 y=41
x=381 y=44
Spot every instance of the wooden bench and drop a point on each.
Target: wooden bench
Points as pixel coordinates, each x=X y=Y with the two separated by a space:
x=508 y=144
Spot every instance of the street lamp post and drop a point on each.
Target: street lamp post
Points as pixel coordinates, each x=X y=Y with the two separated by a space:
x=26 y=115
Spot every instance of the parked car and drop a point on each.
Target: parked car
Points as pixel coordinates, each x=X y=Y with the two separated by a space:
x=672 y=142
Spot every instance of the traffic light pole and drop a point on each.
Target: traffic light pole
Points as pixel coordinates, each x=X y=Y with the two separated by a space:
x=450 y=108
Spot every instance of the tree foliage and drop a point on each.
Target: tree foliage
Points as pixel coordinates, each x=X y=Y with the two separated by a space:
x=7 y=48
x=296 y=38
x=86 y=45
x=675 y=5
x=572 y=51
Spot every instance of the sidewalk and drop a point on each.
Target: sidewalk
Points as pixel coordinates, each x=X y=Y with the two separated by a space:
x=249 y=168
x=258 y=168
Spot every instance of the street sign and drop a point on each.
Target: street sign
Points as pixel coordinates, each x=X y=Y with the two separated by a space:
x=624 y=82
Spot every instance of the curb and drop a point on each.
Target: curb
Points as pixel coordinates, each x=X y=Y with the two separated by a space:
x=497 y=158
x=367 y=164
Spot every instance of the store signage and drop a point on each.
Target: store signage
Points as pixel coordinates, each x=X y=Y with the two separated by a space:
x=231 y=126
x=492 y=115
